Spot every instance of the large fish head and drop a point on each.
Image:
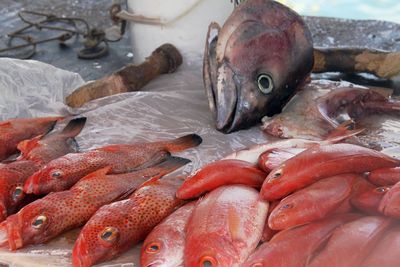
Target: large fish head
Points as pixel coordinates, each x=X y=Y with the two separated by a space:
x=28 y=226
x=59 y=174
x=261 y=56
x=99 y=240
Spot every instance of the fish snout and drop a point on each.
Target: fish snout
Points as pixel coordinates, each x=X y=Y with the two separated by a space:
x=31 y=185
x=10 y=236
x=80 y=254
x=3 y=235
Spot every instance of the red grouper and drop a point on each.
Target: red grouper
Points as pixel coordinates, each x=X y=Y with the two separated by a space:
x=60 y=174
x=165 y=245
x=351 y=243
x=320 y=162
x=386 y=252
x=313 y=202
x=34 y=153
x=116 y=227
x=294 y=247
x=225 y=228
x=222 y=172
x=44 y=219
x=16 y=130
x=390 y=203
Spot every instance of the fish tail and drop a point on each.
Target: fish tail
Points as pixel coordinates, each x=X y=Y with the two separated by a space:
x=171 y=164
x=74 y=127
x=184 y=142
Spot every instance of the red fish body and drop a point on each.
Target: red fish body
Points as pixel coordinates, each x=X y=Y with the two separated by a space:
x=268 y=233
x=369 y=200
x=386 y=252
x=16 y=130
x=60 y=174
x=43 y=149
x=351 y=243
x=294 y=247
x=12 y=178
x=320 y=162
x=222 y=172
x=116 y=227
x=56 y=213
x=313 y=202
x=225 y=227
x=388 y=176
x=164 y=246
x=390 y=203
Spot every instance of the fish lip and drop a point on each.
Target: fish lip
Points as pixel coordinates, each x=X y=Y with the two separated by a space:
x=10 y=236
x=31 y=185
x=226 y=101
x=80 y=253
x=3 y=211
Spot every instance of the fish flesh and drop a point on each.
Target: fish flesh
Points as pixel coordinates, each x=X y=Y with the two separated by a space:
x=12 y=178
x=315 y=111
x=34 y=153
x=390 y=203
x=313 y=202
x=369 y=200
x=222 y=172
x=386 y=252
x=321 y=162
x=294 y=247
x=60 y=174
x=164 y=246
x=384 y=177
x=255 y=63
x=351 y=243
x=225 y=227
x=46 y=218
x=44 y=148
x=16 y=130
x=116 y=227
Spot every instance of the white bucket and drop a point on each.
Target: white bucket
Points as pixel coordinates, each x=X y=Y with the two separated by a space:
x=183 y=23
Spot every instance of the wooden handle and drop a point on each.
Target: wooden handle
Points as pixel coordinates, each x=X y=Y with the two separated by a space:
x=382 y=64
x=165 y=59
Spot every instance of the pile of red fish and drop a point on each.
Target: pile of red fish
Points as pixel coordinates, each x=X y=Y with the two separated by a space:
x=117 y=187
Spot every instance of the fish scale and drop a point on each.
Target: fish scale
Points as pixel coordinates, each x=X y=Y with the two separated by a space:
x=125 y=223
x=65 y=210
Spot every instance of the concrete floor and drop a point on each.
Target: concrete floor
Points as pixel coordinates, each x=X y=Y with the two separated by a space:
x=96 y=14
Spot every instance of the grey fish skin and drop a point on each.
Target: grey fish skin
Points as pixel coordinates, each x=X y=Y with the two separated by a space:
x=256 y=63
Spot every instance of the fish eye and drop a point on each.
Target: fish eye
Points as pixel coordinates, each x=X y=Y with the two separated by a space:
x=381 y=189
x=56 y=174
x=39 y=221
x=208 y=261
x=287 y=206
x=153 y=247
x=18 y=193
x=265 y=83
x=110 y=234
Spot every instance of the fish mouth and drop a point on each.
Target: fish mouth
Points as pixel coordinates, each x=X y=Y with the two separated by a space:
x=10 y=237
x=3 y=211
x=31 y=185
x=80 y=254
x=224 y=99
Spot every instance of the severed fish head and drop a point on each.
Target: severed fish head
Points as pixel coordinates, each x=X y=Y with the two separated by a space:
x=255 y=63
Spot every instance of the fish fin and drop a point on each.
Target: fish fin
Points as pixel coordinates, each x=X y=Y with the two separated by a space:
x=184 y=142
x=342 y=132
x=169 y=165
x=110 y=148
x=74 y=127
x=97 y=173
x=157 y=158
x=27 y=145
